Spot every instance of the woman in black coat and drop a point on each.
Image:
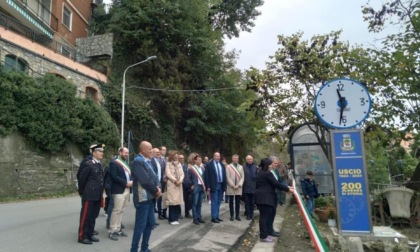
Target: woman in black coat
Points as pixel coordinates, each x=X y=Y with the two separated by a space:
x=265 y=198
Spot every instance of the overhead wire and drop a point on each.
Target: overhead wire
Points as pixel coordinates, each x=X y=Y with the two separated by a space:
x=186 y=90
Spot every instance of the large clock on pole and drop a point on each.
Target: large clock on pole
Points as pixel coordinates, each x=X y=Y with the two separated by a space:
x=342 y=103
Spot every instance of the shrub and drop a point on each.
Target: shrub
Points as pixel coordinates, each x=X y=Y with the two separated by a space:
x=49 y=115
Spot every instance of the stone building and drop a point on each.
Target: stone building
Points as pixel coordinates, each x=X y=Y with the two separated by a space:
x=40 y=37
x=45 y=36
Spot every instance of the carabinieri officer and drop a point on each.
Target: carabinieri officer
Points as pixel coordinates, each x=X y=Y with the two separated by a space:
x=91 y=187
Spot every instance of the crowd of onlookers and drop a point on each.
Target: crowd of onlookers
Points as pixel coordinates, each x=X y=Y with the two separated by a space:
x=163 y=183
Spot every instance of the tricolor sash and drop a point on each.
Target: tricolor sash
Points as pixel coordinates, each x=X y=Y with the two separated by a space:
x=123 y=165
x=235 y=170
x=199 y=176
x=275 y=175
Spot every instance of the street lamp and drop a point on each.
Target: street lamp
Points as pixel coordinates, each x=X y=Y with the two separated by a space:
x=123 y=95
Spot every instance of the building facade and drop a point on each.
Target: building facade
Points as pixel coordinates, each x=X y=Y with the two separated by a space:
x=41 y=36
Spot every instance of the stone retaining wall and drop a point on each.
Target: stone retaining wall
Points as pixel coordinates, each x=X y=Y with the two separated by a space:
x=25 y=171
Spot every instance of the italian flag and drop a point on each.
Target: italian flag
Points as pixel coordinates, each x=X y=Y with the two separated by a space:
x=316 y=238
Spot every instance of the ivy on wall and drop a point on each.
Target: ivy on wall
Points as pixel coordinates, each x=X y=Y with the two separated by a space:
x=49 y=115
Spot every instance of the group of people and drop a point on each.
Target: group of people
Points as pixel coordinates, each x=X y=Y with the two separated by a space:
x=161 y=184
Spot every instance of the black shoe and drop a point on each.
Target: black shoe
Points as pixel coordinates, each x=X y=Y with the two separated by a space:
x=231 y=218
x=201 y=220
x=107 y=226
x=164 y=216
x=220 y=220
x=238 y=218
x=95 y=232
x=157 y=224
x=160 y=217
x=274 y=234
x=93 y=239
x=188 y=215
x=196 y=222
x=215 y=221
x=122 y=226
x=181 y=217
x=247 y=217
x=85 y=241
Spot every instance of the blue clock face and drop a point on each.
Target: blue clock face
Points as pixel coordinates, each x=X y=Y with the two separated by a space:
x=342 y=104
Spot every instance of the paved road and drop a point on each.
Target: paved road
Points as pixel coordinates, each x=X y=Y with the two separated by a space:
x=51 y=226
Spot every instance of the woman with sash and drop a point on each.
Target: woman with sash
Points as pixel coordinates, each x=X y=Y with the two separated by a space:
x=235 y=180
x=265 y=198
x=196 y=175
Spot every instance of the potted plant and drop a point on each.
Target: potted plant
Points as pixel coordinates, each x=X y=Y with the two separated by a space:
x=331 y=217
x=321 y=208
x=324 y=205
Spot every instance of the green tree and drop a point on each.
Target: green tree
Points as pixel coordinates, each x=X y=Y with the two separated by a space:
x=190 y=56
x=385 y=158
x=233 y=16
x=288 y=85
x=395 y=68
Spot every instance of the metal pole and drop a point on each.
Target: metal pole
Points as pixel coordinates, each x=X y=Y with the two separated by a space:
x=123 y=95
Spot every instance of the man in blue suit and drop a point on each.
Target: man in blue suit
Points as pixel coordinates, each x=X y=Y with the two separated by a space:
x=215 y=180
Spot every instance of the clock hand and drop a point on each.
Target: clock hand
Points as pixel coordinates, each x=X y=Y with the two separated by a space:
x=342 y=104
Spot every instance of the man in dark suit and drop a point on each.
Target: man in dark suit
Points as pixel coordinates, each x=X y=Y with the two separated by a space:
x=186 y=188
x=250 y=171
x=91 y=186
x=160 y=171
x=120 y=179
x=215 y=180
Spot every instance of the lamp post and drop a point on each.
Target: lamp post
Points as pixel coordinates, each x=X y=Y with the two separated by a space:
x=123 y=95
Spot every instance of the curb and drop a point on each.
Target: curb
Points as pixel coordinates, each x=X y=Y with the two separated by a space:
x=278 y=221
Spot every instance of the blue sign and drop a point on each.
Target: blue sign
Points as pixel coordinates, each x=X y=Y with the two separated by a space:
x=350 y=177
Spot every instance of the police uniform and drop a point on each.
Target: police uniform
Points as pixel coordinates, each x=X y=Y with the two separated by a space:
x=91 y=186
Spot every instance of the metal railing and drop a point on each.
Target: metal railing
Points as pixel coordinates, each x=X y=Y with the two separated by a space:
x=42 y=12
x=15 y=26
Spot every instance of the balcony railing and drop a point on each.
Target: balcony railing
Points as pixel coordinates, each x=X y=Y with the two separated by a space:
x=42 y=12
x=15 y=26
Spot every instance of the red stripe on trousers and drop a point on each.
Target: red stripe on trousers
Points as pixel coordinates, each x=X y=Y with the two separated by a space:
x=82 y=220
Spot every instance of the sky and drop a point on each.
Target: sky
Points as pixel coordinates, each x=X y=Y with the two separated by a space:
x=312 y=17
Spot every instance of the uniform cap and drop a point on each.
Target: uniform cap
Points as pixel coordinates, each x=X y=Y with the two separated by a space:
x=96 y=147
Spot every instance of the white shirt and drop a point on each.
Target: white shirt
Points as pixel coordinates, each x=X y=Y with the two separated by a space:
x=159 y=169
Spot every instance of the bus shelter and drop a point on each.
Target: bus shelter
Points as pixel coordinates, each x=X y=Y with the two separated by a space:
x=306 y=154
